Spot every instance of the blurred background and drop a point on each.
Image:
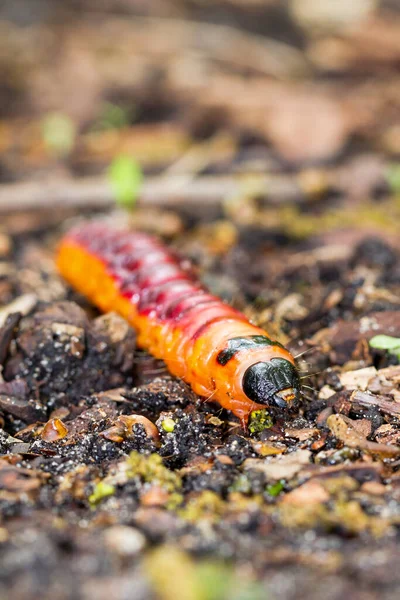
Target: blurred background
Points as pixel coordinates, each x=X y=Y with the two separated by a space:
x=263 y=110
x=261 y=139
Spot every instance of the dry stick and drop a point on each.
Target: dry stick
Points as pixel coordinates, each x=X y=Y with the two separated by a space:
x=380 y=402
x=162 y=192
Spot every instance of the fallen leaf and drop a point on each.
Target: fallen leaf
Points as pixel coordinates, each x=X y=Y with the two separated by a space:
x=54 y=430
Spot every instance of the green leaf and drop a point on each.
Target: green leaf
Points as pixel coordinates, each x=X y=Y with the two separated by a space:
x=59 y=133
x=275 y=488
x=219 y=581
x=251 y=590
x=125 y=176
x=112 y=116
x=386 y=342
x=393 y=178
x=213 y=580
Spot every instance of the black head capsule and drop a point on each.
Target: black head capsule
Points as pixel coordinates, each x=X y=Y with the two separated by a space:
x=275 y=382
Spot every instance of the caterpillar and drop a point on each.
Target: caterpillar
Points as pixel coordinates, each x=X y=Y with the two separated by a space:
x=204 y=341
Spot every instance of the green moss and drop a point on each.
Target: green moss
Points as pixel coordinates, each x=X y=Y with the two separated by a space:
x=174 y=575
x=151 y=469
x=301 y=225
x=219 y=581
x=175 y=500
x=102 y=490
x=241 y=485
x=171 y=573
x=259 y=420
x=206 y=505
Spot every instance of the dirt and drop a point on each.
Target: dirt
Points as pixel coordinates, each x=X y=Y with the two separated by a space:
x=116 y=480
x=296 y=498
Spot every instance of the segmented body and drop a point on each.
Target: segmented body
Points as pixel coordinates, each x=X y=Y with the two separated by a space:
x=204 y=341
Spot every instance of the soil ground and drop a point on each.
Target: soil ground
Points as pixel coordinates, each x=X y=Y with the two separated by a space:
x=271 y=139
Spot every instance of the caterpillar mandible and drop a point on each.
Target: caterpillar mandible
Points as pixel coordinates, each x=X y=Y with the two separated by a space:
x=202 y=340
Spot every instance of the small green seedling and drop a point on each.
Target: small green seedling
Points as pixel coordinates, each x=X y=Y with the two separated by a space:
x=275 y=488
x=102 y=490
x=217 y=580
x=386 y=342
x=58 y=133
x=125 y=176
x=393 y=178
x=112 y=116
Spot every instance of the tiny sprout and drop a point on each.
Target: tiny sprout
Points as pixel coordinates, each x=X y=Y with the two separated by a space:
x=386 y=342
x=58 y=133
x=275 y=489
x=125 y=177
x=168 y=425
x=102 y=490
x=393 y=178
x=112 y=116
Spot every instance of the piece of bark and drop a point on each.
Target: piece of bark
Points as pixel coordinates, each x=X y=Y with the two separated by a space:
x=27 y=410
x=382 y=403
x=343 y=428
x=342 y=337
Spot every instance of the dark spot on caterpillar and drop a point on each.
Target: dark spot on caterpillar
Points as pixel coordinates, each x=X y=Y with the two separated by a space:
x=244 y=343
x=263 y=382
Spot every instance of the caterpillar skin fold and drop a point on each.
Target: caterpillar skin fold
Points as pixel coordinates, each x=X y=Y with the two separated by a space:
x=207 y=343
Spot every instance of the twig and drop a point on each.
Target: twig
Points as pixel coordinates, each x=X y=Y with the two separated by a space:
x=162 y=192
x=379 y=402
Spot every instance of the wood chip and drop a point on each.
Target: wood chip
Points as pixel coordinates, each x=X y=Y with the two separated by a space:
x=280 y=467
x=24 y=304
x=352 y=380
x=343 y=428
x=383 y=403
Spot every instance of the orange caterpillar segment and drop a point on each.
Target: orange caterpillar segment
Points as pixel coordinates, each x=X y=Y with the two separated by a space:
x=204 y=341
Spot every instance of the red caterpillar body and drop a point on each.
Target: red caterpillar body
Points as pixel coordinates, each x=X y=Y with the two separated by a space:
x=210 y=345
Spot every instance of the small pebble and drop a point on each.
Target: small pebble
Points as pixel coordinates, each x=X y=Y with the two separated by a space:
x=124 y=540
